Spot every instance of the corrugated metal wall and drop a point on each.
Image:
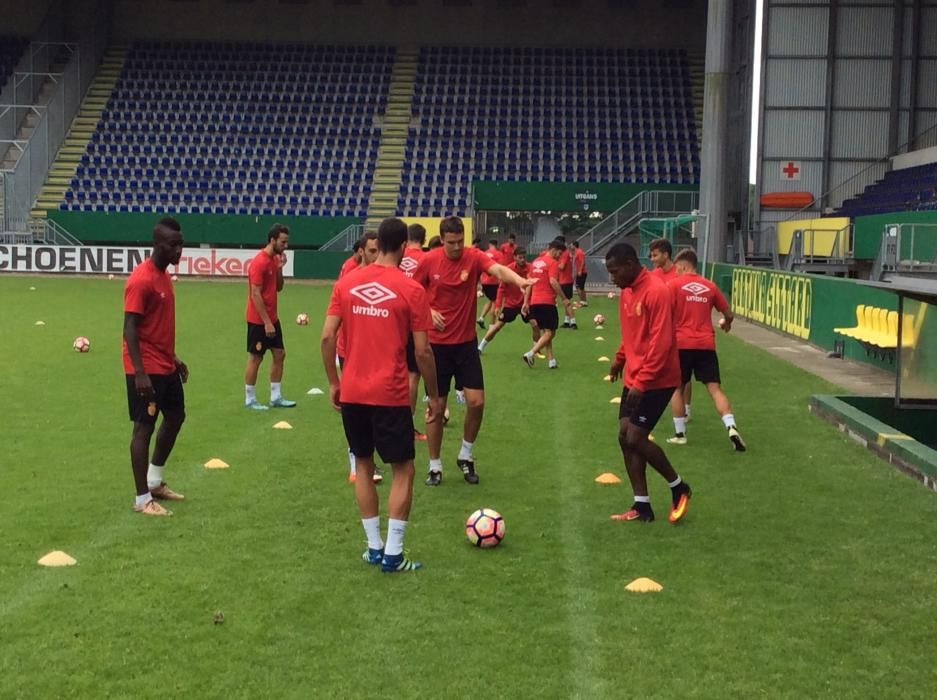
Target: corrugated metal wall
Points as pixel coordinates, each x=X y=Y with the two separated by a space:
x=841 y=133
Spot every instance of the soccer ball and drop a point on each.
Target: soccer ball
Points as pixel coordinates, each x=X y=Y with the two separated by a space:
x=445 y=416
x=485 y=528
x=598 y=319
x=302 y=320
x=81 y=344
x=611 y=295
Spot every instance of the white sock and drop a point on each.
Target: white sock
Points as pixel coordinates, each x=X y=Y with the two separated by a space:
x=154 y=476
x=435 y=465
x=565 y=319
x=481 y=345
x=144 y=499
x=642 y=499
x=687 y=407
x=728 y=420
x=572 y=320
x=679 y=425
x=552 y=363
x=274 y=391
x=395 y=530
x=249 y=395
x=675 y=483
x=372 y=528
x=352 y=465
x=466 y=451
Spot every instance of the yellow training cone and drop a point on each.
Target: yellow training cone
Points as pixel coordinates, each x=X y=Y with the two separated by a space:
x=607 y=478
x=57 y=558
x=600 y=328
x=617 y=399
x=604 y=359
x=40 y=323
x=644 y=585
x=607 y=378
x=215 y=463
x=598 y=337
x=282 y=425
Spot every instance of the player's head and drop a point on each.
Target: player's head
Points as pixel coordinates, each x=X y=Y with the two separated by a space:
x=622 y=264
x=279 y=237
x=392 y=237
x=369 y=250
x=520 y=256
x=660 y=251
x=556 y=247
x=492 y=243
x=416 y=233
x=167 y=242
x=512 y=238
x=575 y=244
x=685 y=261
x=357 y=250
x=560 y=237
x=452 y=234
x=434 y=242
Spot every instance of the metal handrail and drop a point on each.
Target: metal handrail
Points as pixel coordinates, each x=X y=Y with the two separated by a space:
x=627 y=216
x=345 y=239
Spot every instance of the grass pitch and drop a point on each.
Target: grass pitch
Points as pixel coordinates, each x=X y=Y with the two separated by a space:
x=805 y=567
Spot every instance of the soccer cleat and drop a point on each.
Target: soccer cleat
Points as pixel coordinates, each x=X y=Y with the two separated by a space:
x=572 y=324
x=352 y=477
x=553 y=365
x=373 y=556
x=398 y=563
x=255 y=406
x=282 y=403
x=151 y=507
x=378 y=475
x=565 y=324
x=678 y=439
x=736 y=439
x=583 y=303
x=645 y=515
x=164 y=493
x=528 y=359
x=434 y=478
x=468 y=470
x=418 y=436
x=681 y=501
x=540 y=356
x=481 y=323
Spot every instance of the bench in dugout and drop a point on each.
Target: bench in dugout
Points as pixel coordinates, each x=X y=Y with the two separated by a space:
x=876 y=330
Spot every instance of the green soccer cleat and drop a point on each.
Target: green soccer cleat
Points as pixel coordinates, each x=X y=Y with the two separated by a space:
x=282 y=403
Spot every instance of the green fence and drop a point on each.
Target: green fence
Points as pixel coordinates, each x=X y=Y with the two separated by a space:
x=107 y=228
x=313 y=264
x=561 y=196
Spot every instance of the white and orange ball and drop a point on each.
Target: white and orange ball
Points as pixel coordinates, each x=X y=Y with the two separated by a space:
x=302 y=320
x=485 y=528
x=722 y=323
x=611 y=295
x=598 y=319
x=81 y=344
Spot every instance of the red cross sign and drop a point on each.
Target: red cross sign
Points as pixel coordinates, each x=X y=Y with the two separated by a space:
x=790 y=170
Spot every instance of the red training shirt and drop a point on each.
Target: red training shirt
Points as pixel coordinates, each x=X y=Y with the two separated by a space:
x=410 y=261
x=565 y=273
x=579 y=258
x=450 y=286
x=507 y=252
x=380 y=308
x=348 y=266
x=263 y=273
x=648 y=344
x=543 y=269
x=694 y=299
x=148 y=292
x=510 y=296
x=495 y=255
x=665 y=276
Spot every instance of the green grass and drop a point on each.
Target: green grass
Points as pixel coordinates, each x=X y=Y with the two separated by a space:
x=805 y=568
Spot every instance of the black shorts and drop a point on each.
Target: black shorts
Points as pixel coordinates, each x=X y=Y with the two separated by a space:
x=703 y=364
x=545 y=315
x=170 y=398
x=258 y=342
x=460 y=361
x=581 y=281
x=388 y=429
x=509 y=313
x=412 y=366
x=567 y=290
x=490 y=291
x=651 y=408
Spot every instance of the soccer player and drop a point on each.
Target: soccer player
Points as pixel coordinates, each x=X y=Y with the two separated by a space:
x=264 y=282
x=507 y=249
x=354 y=261
x=450 y=275
x=412 y=255
x=565 y=267
x=510 y=299
x=381 y=309
x=490 y=284
x=694 y=299
x=660 y=252
x=579 y=263
x=540 y=302
x=155 y=374
x=648 y=357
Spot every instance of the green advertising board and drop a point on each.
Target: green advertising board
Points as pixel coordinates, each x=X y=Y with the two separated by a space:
x=868 y=230
x=562 y=196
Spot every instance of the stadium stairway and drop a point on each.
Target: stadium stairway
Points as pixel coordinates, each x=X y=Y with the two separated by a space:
x=696 y=62
x=391 y=152
x=76 y=142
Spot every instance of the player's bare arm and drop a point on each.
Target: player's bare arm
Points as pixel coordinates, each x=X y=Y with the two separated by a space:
x=328 y=344
x=505 y=274
x=258 y=302
x=141 y=380
x=281 y=262
x=439 y=320
x=426 y=362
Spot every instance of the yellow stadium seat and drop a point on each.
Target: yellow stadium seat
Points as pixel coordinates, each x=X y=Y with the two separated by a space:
x=908 y=331
x=860 y=317
x=869 y=326
x=888 y=338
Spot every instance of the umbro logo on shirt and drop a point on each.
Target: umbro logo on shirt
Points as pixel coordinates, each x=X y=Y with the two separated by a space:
x=374 y=294
x=408 y=265
x=696 y=291
x=539 y=264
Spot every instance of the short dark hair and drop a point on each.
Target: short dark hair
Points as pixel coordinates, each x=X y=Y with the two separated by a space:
x=451 y=224
x=276 y=230
x=661 y=244
x=575 y=244
x=391 y=235
x=621 y=252
x=369 y=236
x=493 y=241
x=416 y=233
x=357 y=245
x=511 y=237
x=434 y=242
x=687 y=255
x=520 y=250
x=558 y=244
x=170 y=223
x=561 y=237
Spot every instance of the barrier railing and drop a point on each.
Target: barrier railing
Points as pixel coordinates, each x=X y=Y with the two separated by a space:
x=345 y=239
x=624 y=219
x=907 y=248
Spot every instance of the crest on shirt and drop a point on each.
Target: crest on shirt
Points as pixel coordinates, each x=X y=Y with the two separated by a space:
x=373 y=293
x=637 y=309
x=463 y=275
x=695 y=288
x=408 y=265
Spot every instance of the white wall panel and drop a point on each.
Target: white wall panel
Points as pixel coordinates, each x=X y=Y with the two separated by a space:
x=863 y=174
x=929 y=31
x=860 y=135
x=790 y=134
x=927 y=83
x=862 y=83
x=795 y=83
x=811 y=178
x=796 y=31
x=864 y=31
